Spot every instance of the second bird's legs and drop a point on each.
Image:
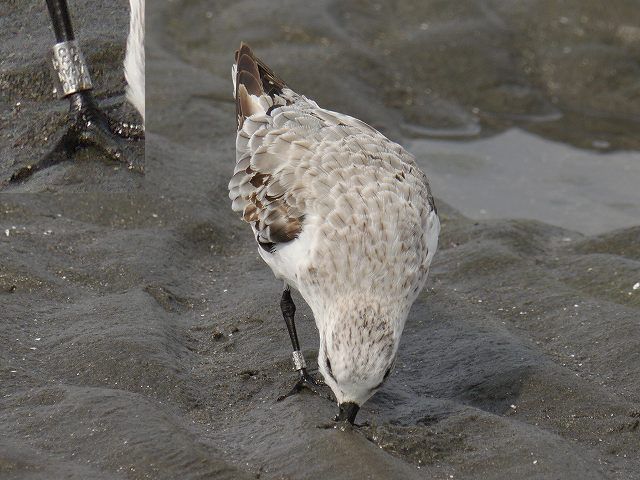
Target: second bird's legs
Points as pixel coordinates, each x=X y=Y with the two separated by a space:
x=305 y=380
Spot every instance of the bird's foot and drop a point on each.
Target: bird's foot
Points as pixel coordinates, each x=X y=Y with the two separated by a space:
x=306 y=381
x=130 y=131
x=342 y=425
x=90 y=127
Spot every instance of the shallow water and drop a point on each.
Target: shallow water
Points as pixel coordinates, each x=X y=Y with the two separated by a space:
x=142 y=331
x=516 y=174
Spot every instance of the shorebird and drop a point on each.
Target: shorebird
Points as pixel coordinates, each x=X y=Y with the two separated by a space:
x=340 y=213
x=89 y=125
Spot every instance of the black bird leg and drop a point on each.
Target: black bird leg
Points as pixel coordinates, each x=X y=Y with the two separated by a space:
x=89 y=126
x=84 y=102
x=305 y=380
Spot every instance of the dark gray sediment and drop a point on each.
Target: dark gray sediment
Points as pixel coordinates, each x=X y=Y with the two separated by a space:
x=141 y=334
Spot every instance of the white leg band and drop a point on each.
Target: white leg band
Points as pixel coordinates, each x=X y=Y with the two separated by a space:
x=298 y=360
x=69 y=70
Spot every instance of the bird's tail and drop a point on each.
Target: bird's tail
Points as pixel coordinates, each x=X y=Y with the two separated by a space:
x=134 y=58
x=254 y=84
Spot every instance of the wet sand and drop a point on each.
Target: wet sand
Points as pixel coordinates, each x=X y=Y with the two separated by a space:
x=142 y=334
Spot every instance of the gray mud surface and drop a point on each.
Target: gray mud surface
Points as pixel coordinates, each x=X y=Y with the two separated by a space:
x=141 y=335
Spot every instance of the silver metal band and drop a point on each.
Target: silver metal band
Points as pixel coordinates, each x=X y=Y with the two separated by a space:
x=69 y=70
x=298 y=360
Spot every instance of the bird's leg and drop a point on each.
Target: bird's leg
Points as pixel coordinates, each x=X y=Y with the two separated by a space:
x=71 y=75
x=89 y=126
x=305 y=380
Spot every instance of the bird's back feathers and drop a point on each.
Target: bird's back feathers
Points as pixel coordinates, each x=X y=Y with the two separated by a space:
x=297 y=163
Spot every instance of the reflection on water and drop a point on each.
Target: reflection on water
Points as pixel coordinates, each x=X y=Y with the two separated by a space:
x=517 y=174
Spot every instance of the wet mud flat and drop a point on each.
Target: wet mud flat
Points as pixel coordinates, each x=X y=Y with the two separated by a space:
x=142 y=336
x=142 y=340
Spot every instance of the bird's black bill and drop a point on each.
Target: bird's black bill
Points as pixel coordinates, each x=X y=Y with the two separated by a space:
x=347 y=413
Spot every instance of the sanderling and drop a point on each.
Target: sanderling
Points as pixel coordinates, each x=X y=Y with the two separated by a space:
x=342 y=214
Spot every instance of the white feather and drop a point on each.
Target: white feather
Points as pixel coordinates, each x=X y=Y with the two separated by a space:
x=134 y=58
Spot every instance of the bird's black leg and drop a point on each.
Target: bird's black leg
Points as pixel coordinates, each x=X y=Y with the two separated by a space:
x=89 y=125
x=83 y=103
x=305 y=380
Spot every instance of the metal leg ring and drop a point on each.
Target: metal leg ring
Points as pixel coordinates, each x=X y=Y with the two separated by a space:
x=298 y=360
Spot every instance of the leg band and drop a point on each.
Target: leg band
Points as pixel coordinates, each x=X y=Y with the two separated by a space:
x=298 y=360
x=69 y=69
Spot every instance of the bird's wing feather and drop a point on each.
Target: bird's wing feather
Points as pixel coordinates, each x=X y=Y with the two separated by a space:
x=287 y=147
x=264 y=151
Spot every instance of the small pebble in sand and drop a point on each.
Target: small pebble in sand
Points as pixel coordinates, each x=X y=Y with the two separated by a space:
x=6 y=232
x=636 y=286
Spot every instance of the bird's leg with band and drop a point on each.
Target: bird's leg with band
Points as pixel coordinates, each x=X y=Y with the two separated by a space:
x=89 y=125
x=305 y=380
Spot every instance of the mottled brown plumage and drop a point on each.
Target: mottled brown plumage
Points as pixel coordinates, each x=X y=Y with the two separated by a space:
x=342 y=213
x=263 y=206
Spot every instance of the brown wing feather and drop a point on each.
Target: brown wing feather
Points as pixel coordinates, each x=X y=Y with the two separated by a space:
x=271 y=83
x=254 y=190
x=257 y=78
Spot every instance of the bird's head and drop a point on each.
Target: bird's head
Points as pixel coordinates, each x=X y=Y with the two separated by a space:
x=357 y=351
